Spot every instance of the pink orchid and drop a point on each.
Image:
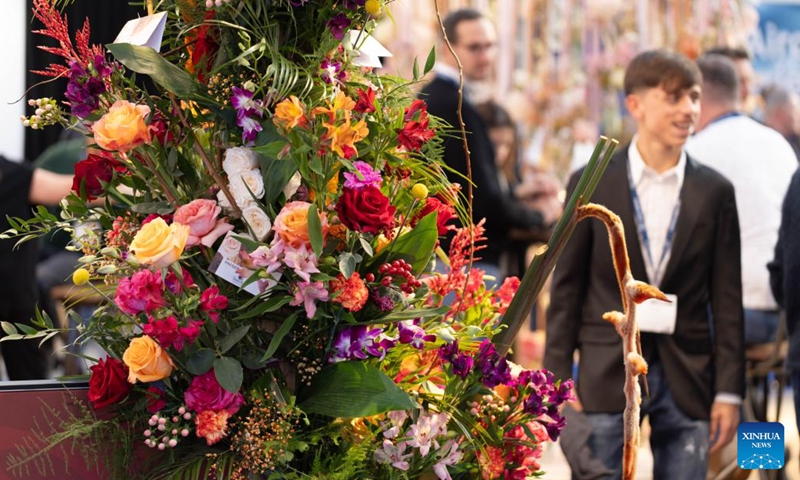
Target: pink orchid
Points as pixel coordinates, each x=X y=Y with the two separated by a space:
x=307 y=293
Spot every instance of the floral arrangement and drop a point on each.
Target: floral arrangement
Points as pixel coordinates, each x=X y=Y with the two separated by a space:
x=271 y=212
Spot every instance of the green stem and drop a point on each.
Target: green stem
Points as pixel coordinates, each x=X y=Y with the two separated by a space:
x=545 y=259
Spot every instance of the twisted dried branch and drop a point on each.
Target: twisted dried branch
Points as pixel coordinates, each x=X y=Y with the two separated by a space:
x=633 y=292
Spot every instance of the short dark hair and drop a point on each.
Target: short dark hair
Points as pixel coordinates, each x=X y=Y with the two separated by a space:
x=495 y=115
x=452 y=20
x=720 y=80
x=661 y=68
x=734 y=53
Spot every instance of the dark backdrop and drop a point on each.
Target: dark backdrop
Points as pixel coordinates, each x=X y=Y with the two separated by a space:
x=107 y=18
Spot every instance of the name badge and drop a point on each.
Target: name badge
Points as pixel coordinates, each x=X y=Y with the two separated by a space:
x=655 y=316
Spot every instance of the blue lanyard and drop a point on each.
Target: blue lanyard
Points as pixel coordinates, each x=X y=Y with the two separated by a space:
x=641 y=227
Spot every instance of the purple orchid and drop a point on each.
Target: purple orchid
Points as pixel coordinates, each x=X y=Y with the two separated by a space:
x=364 y=176
x=337 y=24
x=246 y=110
x=410 y=333
x=358 y=343
x=308 y=293
x=332 y=71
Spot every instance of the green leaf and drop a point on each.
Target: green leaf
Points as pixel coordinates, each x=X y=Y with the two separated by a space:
x=270 y=150
x=353 y=389
x=430 y=61
x=411 y=314
x=147 y=61
x=277 y=174
x=27 y=329
x=269 y=306
x=415 y=70
x=365 y=245
x=150 y=207
x=415 y=247
x=285 y=328
x=200 y=362
x=233 y=338
x=229 y=373
x=9 y=328
x=347 y=263
x=315 y=230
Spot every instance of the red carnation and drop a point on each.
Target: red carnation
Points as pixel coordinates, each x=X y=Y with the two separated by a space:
x=93 y=172
x=108 y=383
x=365 y=209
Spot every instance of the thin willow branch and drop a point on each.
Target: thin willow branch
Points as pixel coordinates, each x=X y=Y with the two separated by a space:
x=212 y=169
x=633 y=292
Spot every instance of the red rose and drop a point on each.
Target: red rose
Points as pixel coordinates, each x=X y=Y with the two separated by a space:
x=108 y=383
x=444 y=213
x=365 y=209
x=93 y=172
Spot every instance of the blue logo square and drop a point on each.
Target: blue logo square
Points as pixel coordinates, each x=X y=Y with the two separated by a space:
x=760 y=446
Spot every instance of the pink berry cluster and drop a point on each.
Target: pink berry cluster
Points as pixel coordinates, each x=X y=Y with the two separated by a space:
x=168 y=431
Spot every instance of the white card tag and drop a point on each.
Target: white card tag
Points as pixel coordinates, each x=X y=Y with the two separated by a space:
x=655 y=316
x=369 y=50
x=230 y=265
x=145 y=31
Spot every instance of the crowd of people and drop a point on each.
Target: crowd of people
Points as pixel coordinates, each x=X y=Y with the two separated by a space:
x=701 y=190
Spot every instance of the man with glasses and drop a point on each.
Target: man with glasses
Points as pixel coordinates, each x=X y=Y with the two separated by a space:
x=474 y=41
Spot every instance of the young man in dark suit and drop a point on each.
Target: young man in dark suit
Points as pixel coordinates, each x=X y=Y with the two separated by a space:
x=682 y=232
x=474 y=41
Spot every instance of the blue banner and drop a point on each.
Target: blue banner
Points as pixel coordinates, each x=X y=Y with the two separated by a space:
x=776 y=45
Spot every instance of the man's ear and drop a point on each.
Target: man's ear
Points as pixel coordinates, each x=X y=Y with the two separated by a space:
x=634 y=104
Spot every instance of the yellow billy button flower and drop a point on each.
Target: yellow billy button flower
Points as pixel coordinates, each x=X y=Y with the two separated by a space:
x=373 y=7
x=419 y=191
x=159 y=245
x=81 y=276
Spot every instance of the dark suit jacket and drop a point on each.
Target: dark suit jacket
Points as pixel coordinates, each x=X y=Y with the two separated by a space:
x=702 y=357
x=501 y=210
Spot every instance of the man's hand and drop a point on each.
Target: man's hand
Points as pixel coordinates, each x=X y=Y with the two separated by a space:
x=722 y=427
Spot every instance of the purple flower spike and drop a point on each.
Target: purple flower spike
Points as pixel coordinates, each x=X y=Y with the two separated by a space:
x=337 y=24
x=462 y=365
x=353 y=4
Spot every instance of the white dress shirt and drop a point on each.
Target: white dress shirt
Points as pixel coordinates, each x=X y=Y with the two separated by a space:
x=659 y=195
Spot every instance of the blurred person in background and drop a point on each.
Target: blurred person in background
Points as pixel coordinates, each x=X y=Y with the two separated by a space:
x=782 y=113
x=744 y=69
x=474 y=40
x=759 y=162
x=21 y=188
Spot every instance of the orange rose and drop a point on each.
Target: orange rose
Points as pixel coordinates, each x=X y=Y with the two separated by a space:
x=289 y=114
x=123 y=127
x=291 y=224
x=146 y=361
x=159 y=245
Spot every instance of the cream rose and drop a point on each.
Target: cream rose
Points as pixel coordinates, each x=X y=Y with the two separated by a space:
x=123 y=127
x=245 y=185
x=258 y=220
x=239 y=159
x=146 y=361
x=158 y=244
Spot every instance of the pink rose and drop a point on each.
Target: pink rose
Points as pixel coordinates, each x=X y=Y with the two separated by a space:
x=205 y=393
x=141 y=292
x=201 y=218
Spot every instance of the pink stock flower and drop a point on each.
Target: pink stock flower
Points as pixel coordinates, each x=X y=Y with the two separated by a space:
x=308 y=293
x=201 y=216
x=205 y=393
x=212 y=302
x=141 y=292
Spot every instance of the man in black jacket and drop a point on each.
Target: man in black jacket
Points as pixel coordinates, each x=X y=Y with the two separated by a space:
x=682 y=232
x=474 y=41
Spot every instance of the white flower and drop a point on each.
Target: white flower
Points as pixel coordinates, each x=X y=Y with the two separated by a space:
x=245 y=185
x=292 y=186
x=239 y=159
x=223 y=202
x=258 y=220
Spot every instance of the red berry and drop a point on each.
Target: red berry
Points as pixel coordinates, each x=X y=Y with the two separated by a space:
x=369 y=278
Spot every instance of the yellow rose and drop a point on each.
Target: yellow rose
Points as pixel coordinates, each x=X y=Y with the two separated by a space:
x=159 y=245
x=146 y=361
x=123 y=127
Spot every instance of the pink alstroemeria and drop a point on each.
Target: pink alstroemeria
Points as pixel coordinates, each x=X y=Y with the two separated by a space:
x=308 y=293
x=301 y=260
x=451 y=457
x=268 y=257
x=425 y=431
x=394 y=454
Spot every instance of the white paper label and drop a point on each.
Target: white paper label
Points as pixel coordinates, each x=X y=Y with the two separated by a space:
x=145 y=31
x=655 y=316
